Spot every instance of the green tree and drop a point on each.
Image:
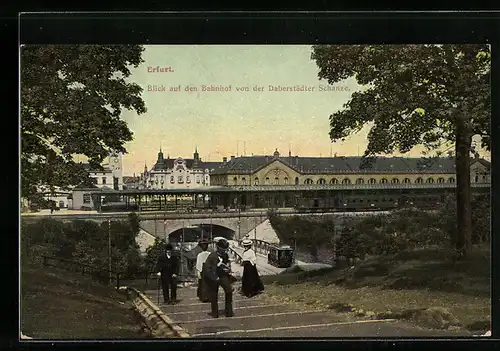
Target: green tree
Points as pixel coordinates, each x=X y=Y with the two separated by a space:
x=153 y=253
x=72 y=97
x=415 y=95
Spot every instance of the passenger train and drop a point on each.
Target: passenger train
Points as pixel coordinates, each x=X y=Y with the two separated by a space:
x=355 y=203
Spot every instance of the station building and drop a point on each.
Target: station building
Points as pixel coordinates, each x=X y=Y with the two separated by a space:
x=294 y=171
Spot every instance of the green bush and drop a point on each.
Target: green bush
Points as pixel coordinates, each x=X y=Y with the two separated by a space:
x=85 y=242
x=401 y=230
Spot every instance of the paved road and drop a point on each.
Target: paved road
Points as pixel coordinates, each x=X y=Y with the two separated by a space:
x=258 y=317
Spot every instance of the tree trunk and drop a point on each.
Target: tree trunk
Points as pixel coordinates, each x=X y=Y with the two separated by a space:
x=463 y=142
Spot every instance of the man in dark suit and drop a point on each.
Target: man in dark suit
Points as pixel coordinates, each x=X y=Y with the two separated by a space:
x=168 y=268
x=217 y=272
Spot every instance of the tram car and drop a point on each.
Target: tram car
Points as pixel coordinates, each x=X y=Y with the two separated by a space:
x=280 y=256
x=381 y=202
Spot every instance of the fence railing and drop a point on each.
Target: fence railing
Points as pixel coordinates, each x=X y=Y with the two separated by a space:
x=236 y=256
x=106 y=276
x=102 y=276
x=261 y=246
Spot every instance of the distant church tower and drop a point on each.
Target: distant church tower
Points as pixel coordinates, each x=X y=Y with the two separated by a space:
x=116 y=165
x=196 y=156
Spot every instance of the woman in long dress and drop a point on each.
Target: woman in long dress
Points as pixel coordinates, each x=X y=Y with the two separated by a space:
x=200 y=260
x=251 y=284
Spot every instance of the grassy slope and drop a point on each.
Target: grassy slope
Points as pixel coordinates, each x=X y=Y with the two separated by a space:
x=56 y=304
x=420 y=279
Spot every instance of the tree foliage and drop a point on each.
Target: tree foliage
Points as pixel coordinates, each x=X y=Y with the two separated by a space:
x=72 y=98
x=85 y=242
x=153 y=253
x=411 y=92
x=385 y=234
x=305 y=233
x=426 y=95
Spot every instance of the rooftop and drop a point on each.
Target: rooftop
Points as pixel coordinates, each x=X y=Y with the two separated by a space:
x=342 y=164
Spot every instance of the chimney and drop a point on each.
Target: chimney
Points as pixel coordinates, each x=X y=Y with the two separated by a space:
x=232 y=158
x=224 y=159
x=289 y=154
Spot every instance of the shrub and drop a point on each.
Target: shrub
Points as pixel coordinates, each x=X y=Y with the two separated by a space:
x=85 y=242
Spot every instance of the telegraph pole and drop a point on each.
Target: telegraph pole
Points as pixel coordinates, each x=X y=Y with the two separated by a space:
x=109 y=250
x=255 y=230
x=165 y=229
x=155 y=225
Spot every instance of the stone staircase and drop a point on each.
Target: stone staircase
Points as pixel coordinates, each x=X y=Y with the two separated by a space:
x=262 y=316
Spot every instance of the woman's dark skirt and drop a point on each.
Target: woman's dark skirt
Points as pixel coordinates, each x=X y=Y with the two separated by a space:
x=251 y=283
x=202 y=291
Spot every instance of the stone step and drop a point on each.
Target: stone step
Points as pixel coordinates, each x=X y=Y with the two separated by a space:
x=256 y=317
x=200 y=307
x=252 y=320
x=240 y=311
x=367 y=329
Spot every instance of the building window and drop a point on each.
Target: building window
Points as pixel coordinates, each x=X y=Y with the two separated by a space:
x=430 y=180
x=308 y=181
x=346 y=181
x=94 y=180
x=419 y=181
x=406 y=180
x=86 y=198
x=383 y=181
x=256 y=181
x=267 y=181
x=360 y=181
x=103 y=180
x=285 y=181
x=244 y=181
x=180 y=179
x=451 y=180
x=334 y=181
x=235 y=181
x=198 y=180
x=321 y=181
x=276 y=181
x=172 y=179
x=296 y=180
x=395 y=181
x=188 y=179
x=372 y=181
x=440 y=180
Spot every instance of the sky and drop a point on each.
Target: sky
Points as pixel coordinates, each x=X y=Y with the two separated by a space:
x=236 y=122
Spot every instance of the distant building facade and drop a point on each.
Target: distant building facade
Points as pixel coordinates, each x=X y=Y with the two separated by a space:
x=295 y=170
x=178 y=173
x=111 y=176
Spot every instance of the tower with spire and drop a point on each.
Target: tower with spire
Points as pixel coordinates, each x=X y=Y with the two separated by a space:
x=196 y=156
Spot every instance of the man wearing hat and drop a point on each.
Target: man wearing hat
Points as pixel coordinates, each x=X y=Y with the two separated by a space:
x=200 y=260
x=251 y=284
x=217 y=272
x=168 y=267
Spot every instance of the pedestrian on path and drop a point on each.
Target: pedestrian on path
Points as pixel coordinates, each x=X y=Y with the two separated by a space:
x=251 y=284
x=168 y=270
x=217 y=272
x=202 y=292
